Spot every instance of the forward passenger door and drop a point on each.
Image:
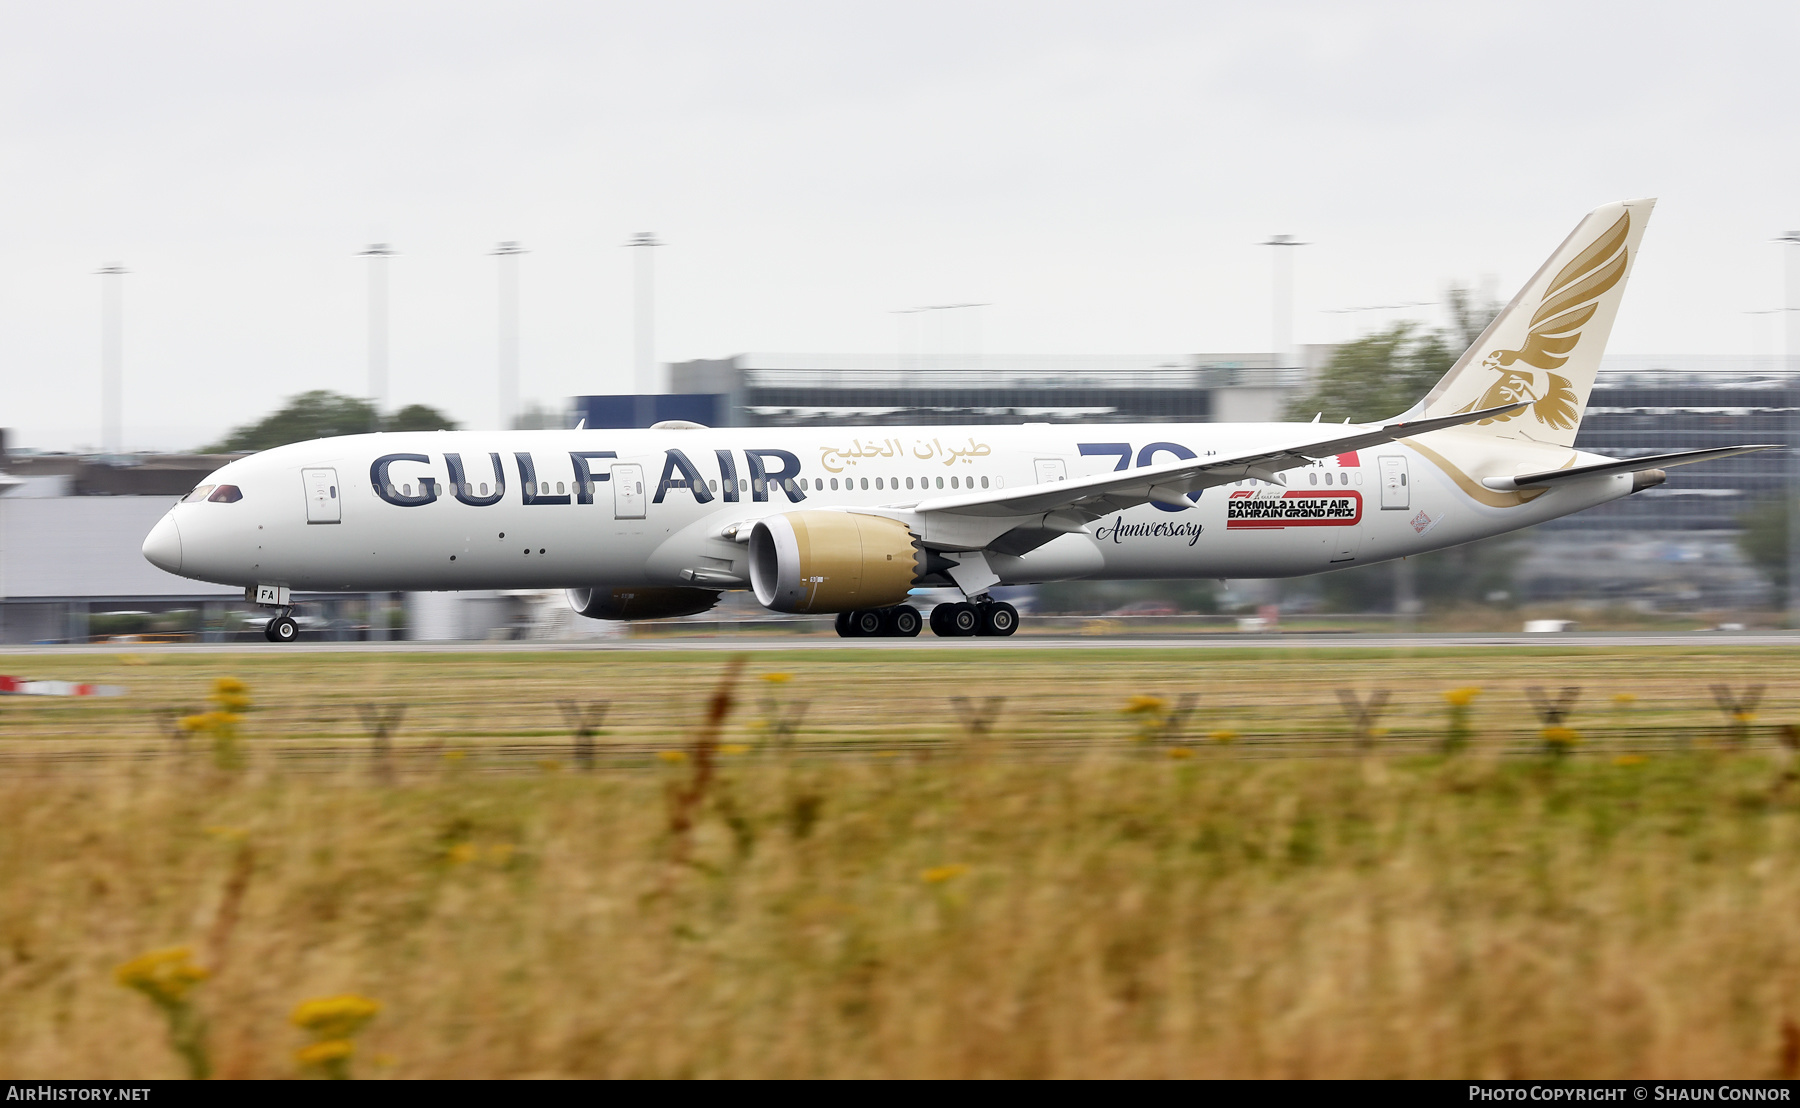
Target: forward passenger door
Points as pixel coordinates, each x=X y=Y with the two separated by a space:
x=323 y=505
x=628 y=491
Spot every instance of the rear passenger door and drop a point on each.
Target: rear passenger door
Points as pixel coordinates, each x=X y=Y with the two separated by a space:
x=1394 y=493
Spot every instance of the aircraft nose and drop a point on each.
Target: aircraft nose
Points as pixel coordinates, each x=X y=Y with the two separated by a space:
x=162 y=547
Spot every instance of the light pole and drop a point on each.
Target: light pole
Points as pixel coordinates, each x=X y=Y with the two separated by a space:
x=378 y=253
x=1282 y=316
x=1791 y=313
x=508 y=253
x=112 y=373
x=644 y=363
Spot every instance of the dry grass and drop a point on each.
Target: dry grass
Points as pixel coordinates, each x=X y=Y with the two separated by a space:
x=966 y=906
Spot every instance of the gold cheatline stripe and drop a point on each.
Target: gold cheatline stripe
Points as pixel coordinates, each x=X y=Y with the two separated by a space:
x=1477 y=491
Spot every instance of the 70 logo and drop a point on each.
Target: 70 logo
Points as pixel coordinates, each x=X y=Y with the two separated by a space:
x=1145 y=456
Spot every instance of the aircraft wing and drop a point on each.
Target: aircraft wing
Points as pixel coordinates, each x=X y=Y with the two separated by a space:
x=1629 y=465
x=1084 y=499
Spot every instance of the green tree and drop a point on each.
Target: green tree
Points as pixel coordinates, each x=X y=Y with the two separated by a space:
x=1381 y=375
x=1764 y=539
x=418 y=417
x=323 y=414
x=1377 y=376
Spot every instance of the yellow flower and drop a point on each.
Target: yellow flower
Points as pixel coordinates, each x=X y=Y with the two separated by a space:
x=1180 y=752
x=453 y=755
x=1743 y=717
x=1630 y=760
x=1223 y=736
x=1623 y=699
x=672 y=755
x=229 y=834
x=1145 y=705
x=460 y=853
x=1563 y=737
x=733 y=748
x=335 y=1017
x=937 y=875
x=328 y=1050
x=1462 y=698
x=231 y=694
x=777 y=678
x=165 y=976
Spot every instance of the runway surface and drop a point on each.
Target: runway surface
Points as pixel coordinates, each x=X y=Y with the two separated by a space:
x=1700 y=640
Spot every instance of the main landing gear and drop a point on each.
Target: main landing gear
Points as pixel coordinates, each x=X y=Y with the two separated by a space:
x=960 y=620
x=983 y=617
x=282 y=628
x=901 y=621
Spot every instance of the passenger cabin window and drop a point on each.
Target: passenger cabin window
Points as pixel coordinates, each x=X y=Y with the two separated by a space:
x=909 y=482
x=984 y=482
x=197 y=495
x=226 y=494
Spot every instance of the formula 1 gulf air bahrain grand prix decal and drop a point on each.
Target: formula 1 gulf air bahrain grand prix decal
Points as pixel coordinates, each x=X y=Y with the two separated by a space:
x=1260 y=509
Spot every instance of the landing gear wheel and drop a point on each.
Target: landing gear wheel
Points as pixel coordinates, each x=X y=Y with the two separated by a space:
x=866 y=623
x=955 y=620
x=283 y=628
x=902 y=622
x=999 y=619
x=843 y=625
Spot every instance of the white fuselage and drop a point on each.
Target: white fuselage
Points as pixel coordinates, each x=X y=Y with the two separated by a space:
x=377 y=512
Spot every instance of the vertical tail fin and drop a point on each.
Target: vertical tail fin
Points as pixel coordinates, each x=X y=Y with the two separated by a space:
x=1545 y=346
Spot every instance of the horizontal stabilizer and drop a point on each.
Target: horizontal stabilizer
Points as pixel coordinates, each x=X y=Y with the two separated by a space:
x=1629 y=465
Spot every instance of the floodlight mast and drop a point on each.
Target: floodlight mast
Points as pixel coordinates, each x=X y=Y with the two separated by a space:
x=378 y=253
x=508 y=254
x=1791 y=316
x=644 y=362
x=112 y=372
x=1282 y=314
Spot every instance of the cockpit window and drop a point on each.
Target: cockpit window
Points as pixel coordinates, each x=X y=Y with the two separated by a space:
x=226 y=494
x=198 y=494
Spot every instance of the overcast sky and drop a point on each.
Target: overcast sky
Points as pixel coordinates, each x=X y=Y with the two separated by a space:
x=1100 y=173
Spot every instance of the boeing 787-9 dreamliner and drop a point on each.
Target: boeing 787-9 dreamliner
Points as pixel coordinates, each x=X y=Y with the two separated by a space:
x=654 y=523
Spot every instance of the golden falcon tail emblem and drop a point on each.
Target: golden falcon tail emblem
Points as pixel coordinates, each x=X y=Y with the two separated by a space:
x=1569 y=303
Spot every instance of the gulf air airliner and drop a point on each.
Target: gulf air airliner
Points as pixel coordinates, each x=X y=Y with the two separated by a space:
x=653 y=523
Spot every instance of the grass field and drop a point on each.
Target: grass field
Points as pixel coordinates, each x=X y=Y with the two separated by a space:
x=885 y=885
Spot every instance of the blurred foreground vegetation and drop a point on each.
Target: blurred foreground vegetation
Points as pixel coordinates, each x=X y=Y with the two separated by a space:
x=1121 y=914
x=879 y=886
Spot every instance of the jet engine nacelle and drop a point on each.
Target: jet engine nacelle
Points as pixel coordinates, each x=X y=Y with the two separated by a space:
x=832 y=561
x=631 y=603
